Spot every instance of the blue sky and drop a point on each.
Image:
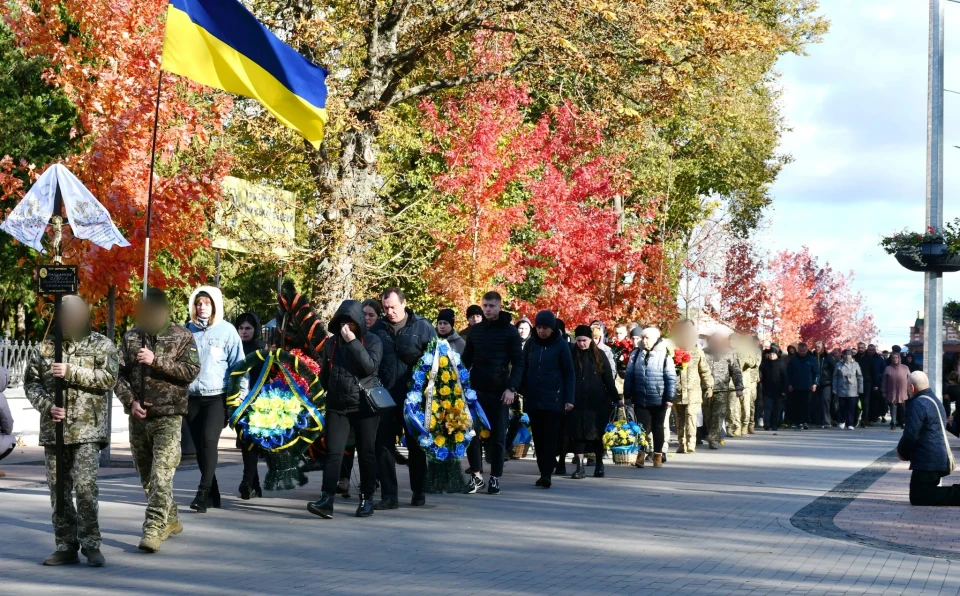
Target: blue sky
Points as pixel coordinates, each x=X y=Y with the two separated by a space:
x=857 y=108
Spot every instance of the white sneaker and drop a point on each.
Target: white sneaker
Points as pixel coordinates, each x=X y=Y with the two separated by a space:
x=849 y=428
x=843 y=425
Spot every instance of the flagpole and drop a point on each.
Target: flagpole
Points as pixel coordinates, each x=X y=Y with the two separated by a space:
x=146 y=242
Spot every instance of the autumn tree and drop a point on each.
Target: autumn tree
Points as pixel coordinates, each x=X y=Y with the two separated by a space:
x=839 y=317
x=627 y=58
x=104 y=56
x=740 y=292
x=788 y=290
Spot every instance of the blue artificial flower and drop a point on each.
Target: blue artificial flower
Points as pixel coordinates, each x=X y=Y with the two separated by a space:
x=414 y=397
x=461 y=450
x=525 y=419
x=471 y=395
x=442 y=453
x=425 y=442
x=419 y=378
x=464 y=374
x=427 y=360
x=444 y=348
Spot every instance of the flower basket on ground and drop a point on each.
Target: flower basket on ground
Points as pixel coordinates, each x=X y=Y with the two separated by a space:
x=281 y=414
x=624 y=438
x=521 y=444
x=442 y=414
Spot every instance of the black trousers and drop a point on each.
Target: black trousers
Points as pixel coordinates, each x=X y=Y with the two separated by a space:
x=391 y=425
x=772 y=411
x=595 y=447
x=205 y=417
x=800 y=402
x=338 y=431
x=499 y=417
x=847 y=410
x=250 y=474
x=651 y=419
x=924 y=489
x=545 y=427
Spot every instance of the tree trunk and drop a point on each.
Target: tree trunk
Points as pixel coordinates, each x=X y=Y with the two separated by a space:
x=352 y=220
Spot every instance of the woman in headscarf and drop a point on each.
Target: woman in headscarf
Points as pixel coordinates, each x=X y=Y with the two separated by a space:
x=248 y=326
x=594 y=395
x=547 y=389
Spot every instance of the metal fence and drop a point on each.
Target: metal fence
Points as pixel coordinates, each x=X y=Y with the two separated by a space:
x=13 y=357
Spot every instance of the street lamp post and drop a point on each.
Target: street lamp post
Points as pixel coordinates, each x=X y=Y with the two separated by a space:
x=933 y=281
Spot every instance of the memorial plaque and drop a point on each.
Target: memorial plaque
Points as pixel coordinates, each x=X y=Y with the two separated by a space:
x=57 y=279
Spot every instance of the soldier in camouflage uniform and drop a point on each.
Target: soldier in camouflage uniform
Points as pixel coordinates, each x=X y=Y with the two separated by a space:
x=170 y=363
x=740 y=413
x=726 y=371
x=89 y=372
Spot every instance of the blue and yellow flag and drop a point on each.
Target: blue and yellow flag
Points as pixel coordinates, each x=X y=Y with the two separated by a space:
x=219 y=43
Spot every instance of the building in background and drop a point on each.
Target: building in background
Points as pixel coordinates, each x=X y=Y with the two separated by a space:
x=951 y=339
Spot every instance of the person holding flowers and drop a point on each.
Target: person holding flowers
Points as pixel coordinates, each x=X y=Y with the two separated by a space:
x=594 y=395
x=694 y=379
x=548 y=386
x=350 y=360
x=651 y=384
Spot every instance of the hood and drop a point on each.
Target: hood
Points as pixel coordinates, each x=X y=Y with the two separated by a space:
x=454 y=336
x=349 y=311
x=217 y=296
x=524 y=320
x=254 y=320
x=504 y=318
x=4 y=375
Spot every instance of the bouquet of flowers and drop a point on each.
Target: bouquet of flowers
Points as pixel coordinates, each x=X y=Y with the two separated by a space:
x=681 y=358
x=282 y=413
x=624 y=438
x=622 y=349
x=440 y=412
x=521 y=442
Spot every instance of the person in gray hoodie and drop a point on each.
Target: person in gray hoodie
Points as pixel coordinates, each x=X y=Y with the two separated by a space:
x=7 y=440
x=446 y=330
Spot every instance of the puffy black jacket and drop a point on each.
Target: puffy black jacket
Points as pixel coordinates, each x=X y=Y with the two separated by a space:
x=549 y=380
x=409 y=342
x=773 y=377
x=827 y=365
x=494 y=355
x=387 y=371
x=348 y=364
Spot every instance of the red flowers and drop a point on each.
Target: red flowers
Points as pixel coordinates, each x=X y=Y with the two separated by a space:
x=681 y=358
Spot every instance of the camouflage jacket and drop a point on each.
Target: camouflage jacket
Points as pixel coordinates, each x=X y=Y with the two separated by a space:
x=176 y=364
x=91 y=372
x=694 y=380
x=750 y=359
x=725 y=367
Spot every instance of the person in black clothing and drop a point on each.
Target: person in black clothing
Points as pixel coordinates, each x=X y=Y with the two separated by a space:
x=445 y=330
x=951 y=393
x=824 y=406
x=411 y=334
x=802 y=379
x=548 y=386
x=350 y=358
x=773 y=384
x=495 y=359
x=248 y=326
x=594 y=398
x=474 y=318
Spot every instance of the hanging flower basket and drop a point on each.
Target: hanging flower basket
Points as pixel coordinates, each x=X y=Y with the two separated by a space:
x=930 y=257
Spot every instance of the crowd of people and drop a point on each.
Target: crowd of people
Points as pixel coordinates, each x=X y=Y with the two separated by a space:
x=569 y=385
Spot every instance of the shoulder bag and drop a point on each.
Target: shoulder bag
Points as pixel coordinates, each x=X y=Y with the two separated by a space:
x=943 y=429
x=377 y=398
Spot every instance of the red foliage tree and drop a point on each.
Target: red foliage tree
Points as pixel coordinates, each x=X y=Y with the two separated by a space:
x=740 y=288
x=839 y=315
x=788 y=290
x=537 y=206
x=105 y=56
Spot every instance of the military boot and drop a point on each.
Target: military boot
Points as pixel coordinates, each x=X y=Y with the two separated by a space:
x=62 y=557
x=150 y=543
x=171 y=529
x=94 y=557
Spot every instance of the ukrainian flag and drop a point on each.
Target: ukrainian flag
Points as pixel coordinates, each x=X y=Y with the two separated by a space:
x=219 y=43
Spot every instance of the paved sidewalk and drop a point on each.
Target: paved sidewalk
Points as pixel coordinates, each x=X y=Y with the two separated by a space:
x=709 y=523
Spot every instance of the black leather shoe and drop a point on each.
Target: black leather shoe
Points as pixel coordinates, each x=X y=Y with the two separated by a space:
x=245 y=491
x=365 y=509
x=418 y=500
x=386 y=504
x=578 y=474
x=199 y=503
x=322 y=506
x=599 y=472
x=214 y=495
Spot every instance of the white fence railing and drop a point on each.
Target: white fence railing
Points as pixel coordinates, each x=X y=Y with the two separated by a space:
x=13 y=357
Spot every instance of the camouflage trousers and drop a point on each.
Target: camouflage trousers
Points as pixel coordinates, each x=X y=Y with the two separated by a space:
x=714 y=414
x=735 y=407
x=155 y=445
x=748 y=410
x=78 y=526
x=687 y=426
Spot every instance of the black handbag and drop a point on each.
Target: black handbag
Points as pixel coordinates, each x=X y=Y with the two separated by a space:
x=377 y=398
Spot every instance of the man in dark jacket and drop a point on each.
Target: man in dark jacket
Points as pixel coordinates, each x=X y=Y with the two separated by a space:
x=924 y=444
x=495 y=359
x=824 y=407
x=411 y=335
x=166 y=355
x=773 y=384
x=871 y=366
x=802 y=378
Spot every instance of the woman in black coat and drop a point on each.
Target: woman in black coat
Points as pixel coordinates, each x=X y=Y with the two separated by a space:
x=248 y=326
x=594 y=395
x=547 y=389
x=350 y=358
x=773 y=384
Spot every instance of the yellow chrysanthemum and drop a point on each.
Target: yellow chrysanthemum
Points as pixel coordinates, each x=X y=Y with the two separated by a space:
x=445 y=376
x=433 y=422
x=444 y=362
x=458 y=404
x=444 y=391
x=457 y=390
x=446 y=404
x=434 y=406
x=458 y=437
x=484 y=434
x=440 y=441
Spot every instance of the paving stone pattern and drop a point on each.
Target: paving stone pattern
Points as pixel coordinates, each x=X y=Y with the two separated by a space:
x=707 y=523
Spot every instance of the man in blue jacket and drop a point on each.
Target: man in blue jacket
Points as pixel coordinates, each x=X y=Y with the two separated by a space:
x=803 y=376
x=924 y=444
